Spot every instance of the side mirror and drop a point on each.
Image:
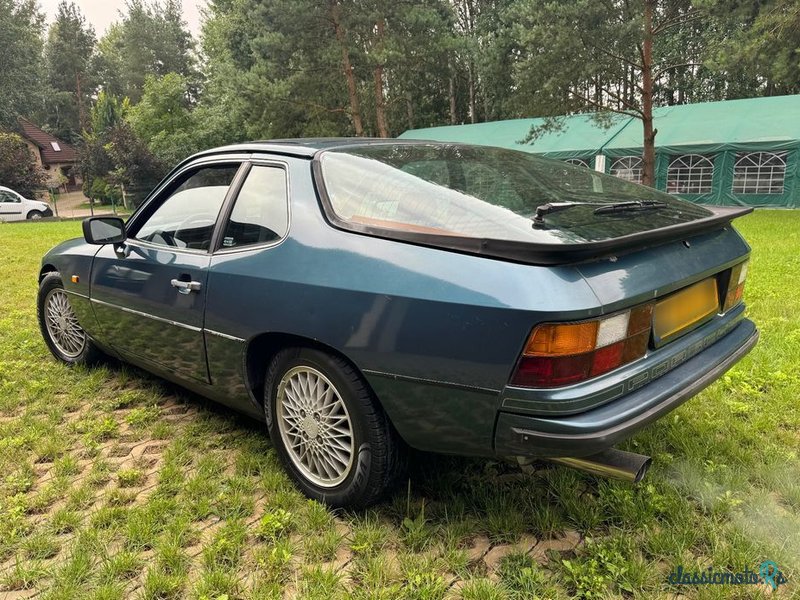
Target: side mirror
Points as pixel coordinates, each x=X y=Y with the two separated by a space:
x=104 y=230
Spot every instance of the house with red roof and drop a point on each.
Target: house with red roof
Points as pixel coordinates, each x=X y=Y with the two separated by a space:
x=55 y=156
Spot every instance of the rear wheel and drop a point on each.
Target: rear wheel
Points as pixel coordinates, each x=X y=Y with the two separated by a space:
x=62 y=333
x=329 y=431
x=34 y=215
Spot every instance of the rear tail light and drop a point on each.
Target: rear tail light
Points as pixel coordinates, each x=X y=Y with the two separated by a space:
x=736 y=286
x=559 y=354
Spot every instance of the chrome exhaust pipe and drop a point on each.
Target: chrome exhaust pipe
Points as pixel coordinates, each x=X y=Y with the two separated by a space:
x=611 y=463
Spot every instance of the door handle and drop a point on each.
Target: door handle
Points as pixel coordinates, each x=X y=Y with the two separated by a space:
x=186 y=287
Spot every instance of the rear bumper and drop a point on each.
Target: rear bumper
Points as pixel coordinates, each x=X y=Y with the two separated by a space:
x=595 y=430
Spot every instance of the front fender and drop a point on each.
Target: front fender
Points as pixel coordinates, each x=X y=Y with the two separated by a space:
x=73 y=260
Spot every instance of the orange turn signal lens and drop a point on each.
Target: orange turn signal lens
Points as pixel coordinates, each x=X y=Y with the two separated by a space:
x=558 y=354
x=562 y=338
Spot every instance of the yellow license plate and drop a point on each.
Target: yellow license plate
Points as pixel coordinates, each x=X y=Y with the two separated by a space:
x=677 y=313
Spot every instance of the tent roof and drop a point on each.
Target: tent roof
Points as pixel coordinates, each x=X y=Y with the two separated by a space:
x=765 y=121
x=575 y=134
x=505 y=134
x=749 y=121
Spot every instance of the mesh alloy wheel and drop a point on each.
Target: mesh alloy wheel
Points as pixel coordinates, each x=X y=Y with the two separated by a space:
x=62 y=325
x=315 y=426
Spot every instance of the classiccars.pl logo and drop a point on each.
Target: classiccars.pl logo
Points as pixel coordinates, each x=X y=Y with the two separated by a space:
x=766 y=573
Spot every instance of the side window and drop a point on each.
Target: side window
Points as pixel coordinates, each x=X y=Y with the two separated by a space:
x=261 y=211
x=8 y=197
x=187 y=217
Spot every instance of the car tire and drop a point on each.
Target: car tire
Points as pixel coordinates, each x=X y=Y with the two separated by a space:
x=34 y=215
x=329 y=431
x=62 y=333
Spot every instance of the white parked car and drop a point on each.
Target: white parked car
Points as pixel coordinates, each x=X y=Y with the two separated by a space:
x=14 y=207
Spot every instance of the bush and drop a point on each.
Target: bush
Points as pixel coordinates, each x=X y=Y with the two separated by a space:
x=18 y=167
x=103 y=191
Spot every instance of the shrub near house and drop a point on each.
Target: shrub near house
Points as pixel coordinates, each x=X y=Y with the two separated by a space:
x=18 y=168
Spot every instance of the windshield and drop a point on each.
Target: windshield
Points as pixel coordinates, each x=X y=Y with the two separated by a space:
x=489 y=193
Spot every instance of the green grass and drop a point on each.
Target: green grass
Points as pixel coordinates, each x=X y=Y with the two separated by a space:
x=114 y=484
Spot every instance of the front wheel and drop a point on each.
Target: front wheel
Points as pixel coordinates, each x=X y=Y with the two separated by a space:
x=34 y=215
x=62 y=333
x=329 y=431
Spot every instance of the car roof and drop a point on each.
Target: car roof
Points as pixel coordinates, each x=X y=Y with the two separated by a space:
x=306 y=147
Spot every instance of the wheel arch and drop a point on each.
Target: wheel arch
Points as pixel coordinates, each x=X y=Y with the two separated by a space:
x=262 y=348
x=46 y=268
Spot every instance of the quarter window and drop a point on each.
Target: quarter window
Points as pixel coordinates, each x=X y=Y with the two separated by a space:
x=261 y=211
x=759 y=173
x=690 y=174
x=187 y=217
x=628 y=168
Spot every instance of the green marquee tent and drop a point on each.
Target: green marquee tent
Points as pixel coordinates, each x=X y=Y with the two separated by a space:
x=744 y=152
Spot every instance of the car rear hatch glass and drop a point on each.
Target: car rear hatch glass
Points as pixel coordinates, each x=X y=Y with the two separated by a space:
x=499 y=202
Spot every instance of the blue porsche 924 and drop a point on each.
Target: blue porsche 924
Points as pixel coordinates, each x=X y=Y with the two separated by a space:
x=364 y=296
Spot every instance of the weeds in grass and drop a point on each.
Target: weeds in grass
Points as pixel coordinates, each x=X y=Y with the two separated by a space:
x=225 y=549
x=140 y=417
x=121 y=567
x=40 y=546
x=23 y=575
x=274 y=524
x=217 y=583
x=274 y=561
x=322 y=547
x=159 y=585
x=130 y=477
x=482 y=589
x=524 y=579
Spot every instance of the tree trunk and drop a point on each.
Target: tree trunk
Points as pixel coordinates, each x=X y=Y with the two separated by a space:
x=79 y=100
x=649 y=158
x=377 y=73
x=472 y=116
x=453 y=115
x=598 y=94
x=632 y=88
x=624 y=87
x=347 y=69
x=409 y=110
x=380 y=108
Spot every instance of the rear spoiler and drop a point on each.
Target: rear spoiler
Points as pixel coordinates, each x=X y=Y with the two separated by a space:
x=532 y=253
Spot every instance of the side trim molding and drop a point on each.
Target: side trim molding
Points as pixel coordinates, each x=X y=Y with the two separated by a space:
x=148 y=316
x=232 y=338
x=448 y=384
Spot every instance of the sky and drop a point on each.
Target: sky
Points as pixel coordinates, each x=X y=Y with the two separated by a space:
x=101 y=13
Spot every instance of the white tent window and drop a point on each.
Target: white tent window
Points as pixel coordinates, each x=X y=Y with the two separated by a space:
x=690 y=174
x=578 y=162
x=628 y=168
x=759 y=173
x=55 y=146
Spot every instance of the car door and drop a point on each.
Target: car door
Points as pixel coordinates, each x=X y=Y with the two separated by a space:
x=10 y=206
x=242 y=270
x=149 y=293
